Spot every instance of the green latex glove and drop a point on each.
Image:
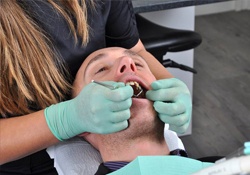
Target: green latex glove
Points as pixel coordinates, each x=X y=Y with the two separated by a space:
x=173 y=103
x=96 y=109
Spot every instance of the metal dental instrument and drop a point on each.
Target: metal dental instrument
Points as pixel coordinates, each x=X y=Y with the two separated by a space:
x=112 y=87
x=104 y=84
x=138 y=93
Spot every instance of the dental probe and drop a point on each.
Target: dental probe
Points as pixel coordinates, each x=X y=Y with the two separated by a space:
x=112 y=87
x=104 y=84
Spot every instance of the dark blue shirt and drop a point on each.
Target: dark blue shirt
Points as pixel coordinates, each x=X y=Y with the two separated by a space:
x=109 y=167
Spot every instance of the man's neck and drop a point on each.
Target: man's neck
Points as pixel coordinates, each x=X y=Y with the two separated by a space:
x=129 y=151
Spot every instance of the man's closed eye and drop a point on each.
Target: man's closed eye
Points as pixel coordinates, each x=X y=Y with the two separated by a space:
x=101 y=70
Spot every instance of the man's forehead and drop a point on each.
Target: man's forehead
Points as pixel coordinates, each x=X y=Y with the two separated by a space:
x=96 y=58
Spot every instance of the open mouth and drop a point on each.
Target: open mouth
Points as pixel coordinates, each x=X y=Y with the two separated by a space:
x=139 y=91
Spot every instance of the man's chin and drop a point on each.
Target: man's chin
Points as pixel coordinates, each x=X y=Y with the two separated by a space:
x=141 y=106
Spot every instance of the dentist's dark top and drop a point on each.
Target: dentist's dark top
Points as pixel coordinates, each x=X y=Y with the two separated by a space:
x=112 y=23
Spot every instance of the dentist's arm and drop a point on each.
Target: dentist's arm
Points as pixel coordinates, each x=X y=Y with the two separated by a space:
x=171 y=97
x=96 y=109
x=159 y=71
x=21 y=136
x=173 y=103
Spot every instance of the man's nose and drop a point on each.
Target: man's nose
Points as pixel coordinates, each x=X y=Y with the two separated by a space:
x=126 y=64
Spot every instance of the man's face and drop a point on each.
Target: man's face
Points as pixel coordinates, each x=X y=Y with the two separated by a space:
x=121 y=65
x=114 y=64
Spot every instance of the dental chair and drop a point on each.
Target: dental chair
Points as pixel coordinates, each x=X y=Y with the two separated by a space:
x=159 y=40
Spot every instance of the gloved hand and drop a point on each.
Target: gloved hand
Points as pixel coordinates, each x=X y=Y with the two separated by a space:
x=96 y=109
x=173 y=103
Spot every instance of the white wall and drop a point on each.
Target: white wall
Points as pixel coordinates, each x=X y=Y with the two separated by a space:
x=220 y=7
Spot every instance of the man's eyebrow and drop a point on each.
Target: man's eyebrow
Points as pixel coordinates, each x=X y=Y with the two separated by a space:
x=131 y=53
x=96 y=58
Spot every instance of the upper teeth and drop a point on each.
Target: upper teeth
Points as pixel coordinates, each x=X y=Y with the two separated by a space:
x=132 y=83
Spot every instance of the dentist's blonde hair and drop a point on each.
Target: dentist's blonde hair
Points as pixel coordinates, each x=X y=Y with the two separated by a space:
x=31 y=74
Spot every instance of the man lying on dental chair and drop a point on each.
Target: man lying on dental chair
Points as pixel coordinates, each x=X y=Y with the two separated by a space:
x=143 y=148
x=144 y=136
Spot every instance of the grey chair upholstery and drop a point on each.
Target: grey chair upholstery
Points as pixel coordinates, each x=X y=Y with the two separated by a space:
x=159 y=40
